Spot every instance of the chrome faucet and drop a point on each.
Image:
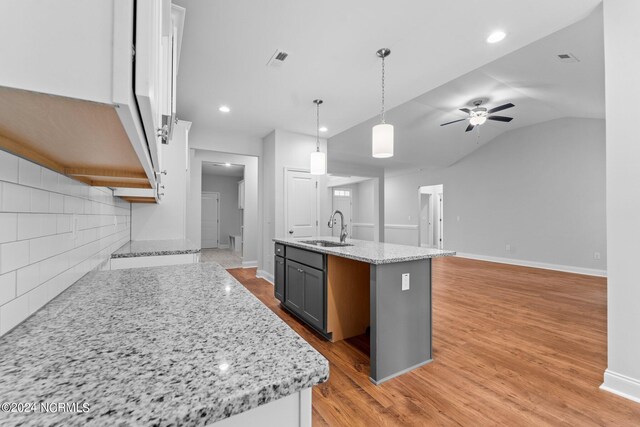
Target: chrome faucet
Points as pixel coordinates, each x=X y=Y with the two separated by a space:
x=343 y=226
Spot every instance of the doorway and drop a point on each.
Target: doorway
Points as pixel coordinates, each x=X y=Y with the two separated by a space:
x=431 y=214
x=210 y=220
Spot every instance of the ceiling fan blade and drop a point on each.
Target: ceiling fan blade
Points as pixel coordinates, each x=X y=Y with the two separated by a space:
x=500 y=118
x=500 y=108
x=469 y=128
x=455 y=121
x=466 y=110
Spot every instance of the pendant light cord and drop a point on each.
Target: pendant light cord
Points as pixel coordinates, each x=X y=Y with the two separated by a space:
x=382 y=111
x=318 y=127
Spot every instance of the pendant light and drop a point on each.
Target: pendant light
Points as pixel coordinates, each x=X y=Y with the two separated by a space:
x=382 y=134
x=318 y=165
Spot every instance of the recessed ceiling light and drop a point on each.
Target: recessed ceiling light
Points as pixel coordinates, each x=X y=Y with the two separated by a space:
x=323 y=129
x=224 y=109
x=496 y=37
x=223 y=367
x=228 y=165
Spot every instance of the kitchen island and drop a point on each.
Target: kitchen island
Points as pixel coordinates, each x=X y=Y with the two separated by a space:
x=178 y=345
x=346 y=290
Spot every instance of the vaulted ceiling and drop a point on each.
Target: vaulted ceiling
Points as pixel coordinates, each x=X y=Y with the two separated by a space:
x=332 y=45
x=541 y=86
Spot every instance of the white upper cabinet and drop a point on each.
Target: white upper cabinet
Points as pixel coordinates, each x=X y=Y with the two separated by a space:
x=106 y=72
x=148 y=71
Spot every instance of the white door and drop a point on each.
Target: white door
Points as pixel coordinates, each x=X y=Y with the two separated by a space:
x=342 y=201
x=426 y=223
x=301 y=208
x=210 y=219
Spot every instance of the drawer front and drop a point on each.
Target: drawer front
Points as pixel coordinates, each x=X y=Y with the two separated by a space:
x=279 y=251
x=312 y=259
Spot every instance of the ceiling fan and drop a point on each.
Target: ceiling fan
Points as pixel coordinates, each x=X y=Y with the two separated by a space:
x=478 y=115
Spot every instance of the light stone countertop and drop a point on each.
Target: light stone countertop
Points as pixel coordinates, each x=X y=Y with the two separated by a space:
x=176 y=345
x=139 y=248
x=367 y=251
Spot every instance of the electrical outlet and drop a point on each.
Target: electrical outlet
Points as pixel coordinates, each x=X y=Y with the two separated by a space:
x=507 y=247
x=596 y=255
x=405 y=281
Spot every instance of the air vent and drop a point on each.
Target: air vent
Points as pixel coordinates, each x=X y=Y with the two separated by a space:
x=567 y=57
x=277 y=58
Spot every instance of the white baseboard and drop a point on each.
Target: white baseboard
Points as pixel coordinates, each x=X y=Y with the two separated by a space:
x=622 y=385
x=535 y=264
x=223 y=246
x=262 y=274
x=249 y=264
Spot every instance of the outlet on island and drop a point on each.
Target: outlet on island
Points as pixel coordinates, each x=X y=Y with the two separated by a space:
x=405 y=281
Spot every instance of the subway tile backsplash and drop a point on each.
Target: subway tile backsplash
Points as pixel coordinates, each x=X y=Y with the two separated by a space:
x=53 y=230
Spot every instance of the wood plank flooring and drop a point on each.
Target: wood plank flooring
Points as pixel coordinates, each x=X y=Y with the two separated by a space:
x=513 y=346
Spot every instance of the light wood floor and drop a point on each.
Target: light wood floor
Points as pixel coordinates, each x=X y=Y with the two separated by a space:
x=513 y=346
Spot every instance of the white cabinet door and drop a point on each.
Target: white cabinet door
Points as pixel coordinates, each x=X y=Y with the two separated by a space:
x=301 y=204
x=148 y=72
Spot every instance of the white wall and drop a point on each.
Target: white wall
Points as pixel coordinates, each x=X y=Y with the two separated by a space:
x=230 y=215
x=622 y=68
x=540 y=189
x=377 y=180
x=167 y=219
x=283 y=150
x=364 y=217
x=268 y=205
x=252 y=216
x=40 y=254
x=225 y=142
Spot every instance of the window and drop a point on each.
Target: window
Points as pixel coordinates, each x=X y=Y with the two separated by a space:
x=342 y=193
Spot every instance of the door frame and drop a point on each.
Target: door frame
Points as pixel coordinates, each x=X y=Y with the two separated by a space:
x=218 y=208
x=288 y=169
x=430 y=231
x=439 y=198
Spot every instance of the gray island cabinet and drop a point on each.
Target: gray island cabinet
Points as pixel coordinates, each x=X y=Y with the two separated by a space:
x=343 y=291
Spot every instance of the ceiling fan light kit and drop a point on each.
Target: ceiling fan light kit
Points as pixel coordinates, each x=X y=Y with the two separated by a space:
x=382 y=134
x=318 y=159
x=479 y=115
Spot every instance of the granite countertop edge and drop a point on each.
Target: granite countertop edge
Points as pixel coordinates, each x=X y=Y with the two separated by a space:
x=145 y=248
x=156 y=253
x=339 y=251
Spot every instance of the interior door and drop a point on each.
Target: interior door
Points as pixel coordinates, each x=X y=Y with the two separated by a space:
x=210 y=220
x=342 y=201
x=302 y=204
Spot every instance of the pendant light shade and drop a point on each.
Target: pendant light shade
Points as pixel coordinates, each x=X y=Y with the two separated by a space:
x=382 y=134
x=318 y=163
x=318 y=159
x=382 y=137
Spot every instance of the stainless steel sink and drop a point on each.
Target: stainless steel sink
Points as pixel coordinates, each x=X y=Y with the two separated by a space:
x=325 y=243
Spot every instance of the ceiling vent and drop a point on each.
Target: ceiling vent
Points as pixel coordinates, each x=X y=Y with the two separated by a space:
x=567 y=57
x=277 y=58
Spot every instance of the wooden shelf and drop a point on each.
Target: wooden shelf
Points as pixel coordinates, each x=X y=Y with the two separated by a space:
x=83 y=140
